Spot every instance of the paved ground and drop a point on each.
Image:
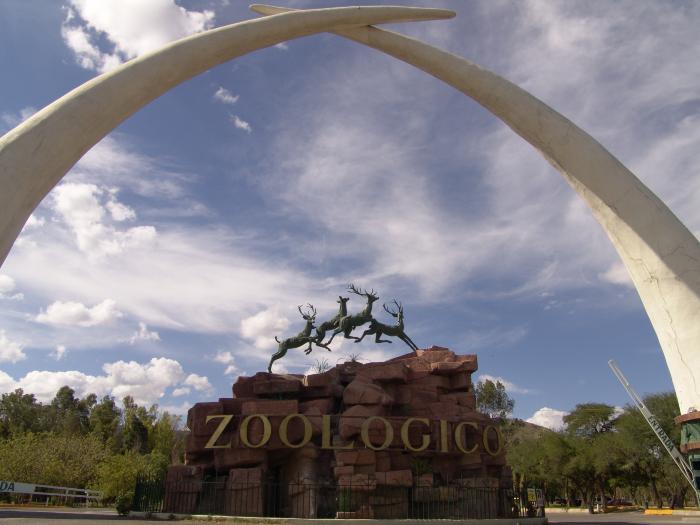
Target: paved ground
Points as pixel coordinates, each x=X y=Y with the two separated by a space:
x=619 y=518
x=109 y=517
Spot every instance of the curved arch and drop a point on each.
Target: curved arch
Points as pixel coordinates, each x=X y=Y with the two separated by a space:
x=39 y=152
x=661 y=255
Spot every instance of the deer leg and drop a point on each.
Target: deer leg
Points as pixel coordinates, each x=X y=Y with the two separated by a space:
x=277 y=355
x=378 y=340
x=369 y=331
x=409 y=342
x=347 y=333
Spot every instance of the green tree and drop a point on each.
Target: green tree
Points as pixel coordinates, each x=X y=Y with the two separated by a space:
x=117 y=475
x=105 y=421
x=20 y=413
x=50 y=458
x=492 y=399
x=589 y=419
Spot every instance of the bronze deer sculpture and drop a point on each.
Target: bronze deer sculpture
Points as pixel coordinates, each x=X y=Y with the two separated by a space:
x=396 y=330
x=298 y=340
x=332 y=324
x=348 y=323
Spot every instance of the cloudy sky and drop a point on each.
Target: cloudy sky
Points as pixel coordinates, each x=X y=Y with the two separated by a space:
x=170 y=256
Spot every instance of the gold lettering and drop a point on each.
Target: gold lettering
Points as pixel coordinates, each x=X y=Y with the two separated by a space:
x=326 y=436
x=499 y=440
x=458 y=436
x=388 y=433
x=225 y=420
x=405 y=438
x=443 y=436
x=284 y=438
x=267 y=430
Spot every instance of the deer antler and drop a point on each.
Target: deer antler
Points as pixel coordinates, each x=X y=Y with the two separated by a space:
x=390 y=312
x=352 y=288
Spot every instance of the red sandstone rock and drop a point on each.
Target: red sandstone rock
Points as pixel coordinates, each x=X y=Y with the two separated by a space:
x=276 y=386
x=323 y=379
x=197 y=416
x=324 y=405
x=363 y=392
x=361 y=456
x=243 y=387
x=271 y=407
x=388 y=372
x=465 y=399
x=358 y=482
x=345 y=470
x=449 y=369
x=436 y=353
x=383 y=462
x=352 y=418
x=461 y=382
x=227 y=458
x=395 y=478
x=331 y=390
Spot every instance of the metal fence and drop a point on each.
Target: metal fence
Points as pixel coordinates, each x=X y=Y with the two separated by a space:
x=327 y=499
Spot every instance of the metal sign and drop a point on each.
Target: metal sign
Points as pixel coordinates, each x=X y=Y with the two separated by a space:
x=15 y=487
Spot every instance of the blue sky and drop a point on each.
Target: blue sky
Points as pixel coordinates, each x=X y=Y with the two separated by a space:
x=170 y=256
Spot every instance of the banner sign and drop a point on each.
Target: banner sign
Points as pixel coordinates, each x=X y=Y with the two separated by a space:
x=450 y=435
x=19 y=488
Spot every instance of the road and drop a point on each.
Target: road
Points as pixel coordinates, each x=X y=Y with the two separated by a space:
x=109 y=517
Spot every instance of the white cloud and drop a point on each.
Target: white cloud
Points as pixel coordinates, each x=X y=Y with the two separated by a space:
x=182 y=391
x=511 y=387
x=282 y=46
x=199 y=383
x=10 y=351
x=548 y=418
x=7 y=384
x=146 y=382
x=7 y=284
x=228 y=359
x=143 y=334
x=34 y=222
x=241 y=124
x=262 y=328
x=617 y=274
x=77 y=314
x=131 y=27
x=120 y=212
x=225 y=96
x=59 y=353
x=79 y=205
x=224 y=358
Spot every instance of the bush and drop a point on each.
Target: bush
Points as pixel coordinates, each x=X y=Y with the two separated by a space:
x=123 y=504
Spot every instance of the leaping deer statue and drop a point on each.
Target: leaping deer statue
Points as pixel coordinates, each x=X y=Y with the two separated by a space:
x=396 y=330
x=298 y=340
x=348 y=323
x=333 y=323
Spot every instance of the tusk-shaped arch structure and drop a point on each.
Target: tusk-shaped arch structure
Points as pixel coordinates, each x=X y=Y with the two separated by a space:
x=39 y=152
x=661 y=255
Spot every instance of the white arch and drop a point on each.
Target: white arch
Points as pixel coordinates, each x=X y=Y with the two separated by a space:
x=662 y=256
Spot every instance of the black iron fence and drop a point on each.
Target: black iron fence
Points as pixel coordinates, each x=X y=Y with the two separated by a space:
x=328 y=499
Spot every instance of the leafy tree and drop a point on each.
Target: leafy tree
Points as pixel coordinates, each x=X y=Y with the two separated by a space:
x=589 y=419
x=105 y=420
x=19 y=413
x=116 y=476
x=70 y=414
x=492 y=399
x=53 y=459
